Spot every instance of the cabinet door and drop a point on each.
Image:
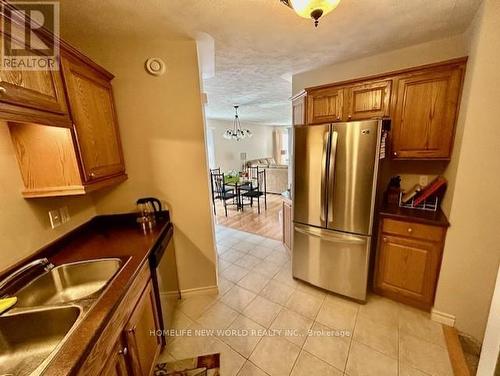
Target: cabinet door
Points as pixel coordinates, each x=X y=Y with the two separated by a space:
x=299 y=110
x=92 y=107
x=143 y=347
x=287 y=225
x=116 y=365
x=408 y=268
x=425 y=114
x=368 y=100
x=325 y=106
x=38 y=89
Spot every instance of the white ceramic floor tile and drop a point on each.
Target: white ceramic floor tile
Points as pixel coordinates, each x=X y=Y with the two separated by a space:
x=268 y=269
x=260 y=251
x=190 y=347
x=308 y=365
x=224 y=285
x=194 y=306
x=278 y=258
x=243 y=335
x=285 y=276
x=223 y=264
x=232 y=255
x=238 y=298
x=419 y=324
x=377 y=336
x=254 y=282
x=243 y=246
x=262 y=311
x=407 y=370
x=248 y=261
x=218 y=316
x=338 y=314
x=234 y=273
x=424 y=355
x=364 y=361
x=305 y=304
x=180 y=320
x=250 y=369
x=275 y=355
x=231 y=361
x=381 y=310
x=325 y=345
x=292 y=326
x=277 y=292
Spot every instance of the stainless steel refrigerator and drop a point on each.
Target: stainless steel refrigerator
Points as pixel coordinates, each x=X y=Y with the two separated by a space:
x=335 y=177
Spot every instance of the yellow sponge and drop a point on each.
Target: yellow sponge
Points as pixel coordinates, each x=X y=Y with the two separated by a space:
x=6 y=303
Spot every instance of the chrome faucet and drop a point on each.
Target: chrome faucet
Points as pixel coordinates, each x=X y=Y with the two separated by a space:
x=47 y=265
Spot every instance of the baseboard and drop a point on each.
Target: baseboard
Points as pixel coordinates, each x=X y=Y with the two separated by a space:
x=442 y=317
x=208 y=290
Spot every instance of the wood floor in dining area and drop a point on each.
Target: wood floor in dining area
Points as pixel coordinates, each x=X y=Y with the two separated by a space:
x=267 y=223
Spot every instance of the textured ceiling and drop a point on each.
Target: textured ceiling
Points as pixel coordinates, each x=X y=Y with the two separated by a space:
x=259 y=44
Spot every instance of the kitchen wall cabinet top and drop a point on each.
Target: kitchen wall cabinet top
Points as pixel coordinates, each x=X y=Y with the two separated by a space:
x=63 y=125
x=422 y=102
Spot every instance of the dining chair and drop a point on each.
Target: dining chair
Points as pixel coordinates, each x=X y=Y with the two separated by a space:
x=222 y=192
x=257 y=188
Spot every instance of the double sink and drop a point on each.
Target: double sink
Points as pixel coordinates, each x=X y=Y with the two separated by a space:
x=47 y=310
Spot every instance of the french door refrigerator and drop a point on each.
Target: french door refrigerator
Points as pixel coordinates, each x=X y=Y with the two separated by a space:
x=335 y=177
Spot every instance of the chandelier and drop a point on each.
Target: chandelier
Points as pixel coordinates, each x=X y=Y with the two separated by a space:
x=237 y=133
x=312 y=8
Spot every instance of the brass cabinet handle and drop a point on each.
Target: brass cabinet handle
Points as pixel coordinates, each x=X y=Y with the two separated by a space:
x=338 y=117
x=385 y=239
x=395 y=153
x=123 y=352
x=2 y=90
x=410 y=230
x=132 y=330
x=92 y=175
x=350 y=116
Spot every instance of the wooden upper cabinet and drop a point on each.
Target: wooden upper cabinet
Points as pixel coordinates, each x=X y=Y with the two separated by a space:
x=425 y=114
x=368 y=100
x=299 y=109
x=91 y=102
x=143 y=347
x=325 y=105
x=31 y=95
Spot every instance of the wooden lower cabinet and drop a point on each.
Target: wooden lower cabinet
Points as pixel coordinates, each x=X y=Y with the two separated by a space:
x=117 y=364
x=287 y=224
x=408 y=262
x=143 y=348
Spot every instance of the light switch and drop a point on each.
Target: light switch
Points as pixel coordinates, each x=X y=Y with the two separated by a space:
x=424 y=180
x=55 y=218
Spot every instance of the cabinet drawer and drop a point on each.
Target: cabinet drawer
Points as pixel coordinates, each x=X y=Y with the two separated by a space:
x=413 y=230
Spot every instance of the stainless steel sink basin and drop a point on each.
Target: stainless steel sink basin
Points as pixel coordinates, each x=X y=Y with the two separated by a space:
x=68 y=282
x=28 y=338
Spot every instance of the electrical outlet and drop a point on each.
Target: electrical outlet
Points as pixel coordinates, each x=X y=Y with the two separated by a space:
x=55 y=218
x=65 y=217
x=424 y=180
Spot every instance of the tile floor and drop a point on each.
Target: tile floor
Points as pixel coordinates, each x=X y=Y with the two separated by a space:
x=296 y=329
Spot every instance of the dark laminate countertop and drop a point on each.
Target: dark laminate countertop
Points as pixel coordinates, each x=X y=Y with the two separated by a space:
x=103 y=236
x=436 y=218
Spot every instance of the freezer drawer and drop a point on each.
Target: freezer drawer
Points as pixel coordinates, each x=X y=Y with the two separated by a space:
x=332 y=260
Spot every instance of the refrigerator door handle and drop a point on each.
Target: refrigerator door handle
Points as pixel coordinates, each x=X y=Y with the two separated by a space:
x=331 y=172
x=323 y=187
x=329 y=236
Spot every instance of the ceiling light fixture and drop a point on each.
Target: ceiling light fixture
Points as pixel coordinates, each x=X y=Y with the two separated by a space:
x=237 y=133
x=312 y=8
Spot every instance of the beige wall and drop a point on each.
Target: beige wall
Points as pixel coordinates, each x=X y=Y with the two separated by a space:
x=472 y=251
x=24 y=224
x=227 y=152
x=162 y=129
